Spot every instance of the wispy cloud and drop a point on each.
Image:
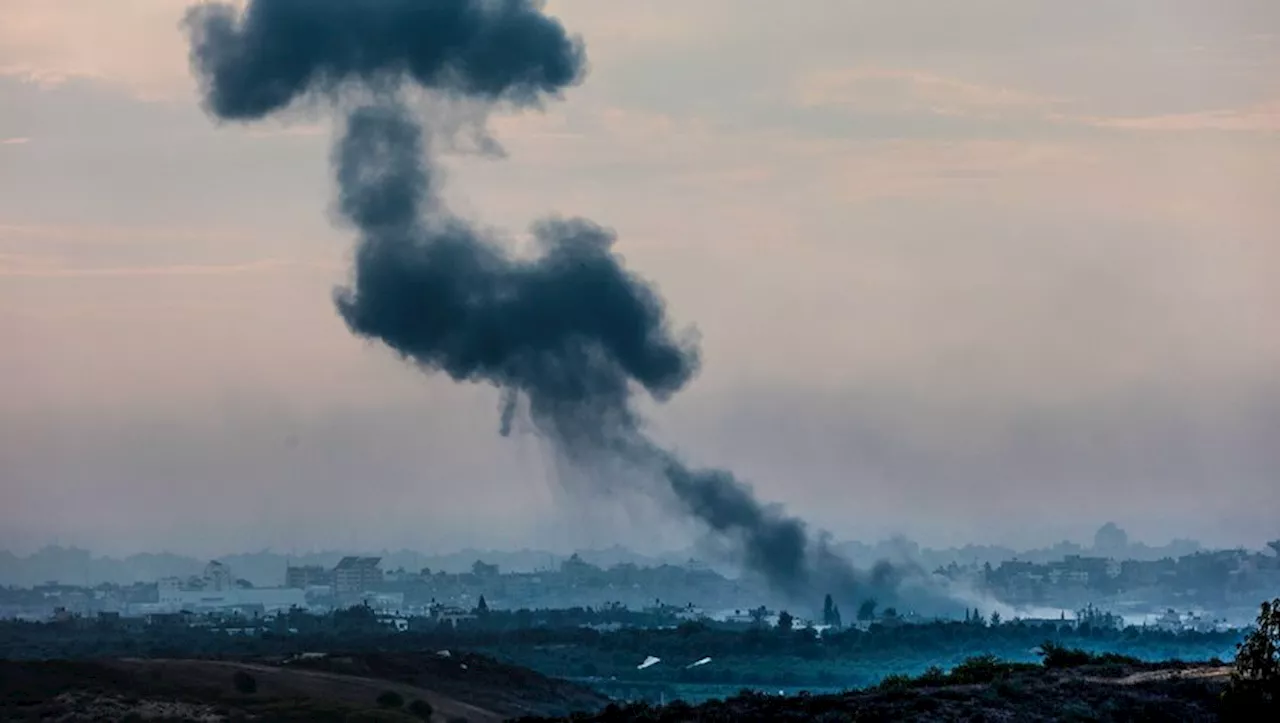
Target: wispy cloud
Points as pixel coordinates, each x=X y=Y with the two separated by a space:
x=17 y=141
x=914 y=93
x=42 y=268
x=42 y=77
x=134 y=44
x=916 y=168
x=21 y=232
x=1260 y=118
x=907 y=90
x=299 y=130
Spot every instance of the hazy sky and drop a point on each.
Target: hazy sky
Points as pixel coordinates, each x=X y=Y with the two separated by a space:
x=994 y=270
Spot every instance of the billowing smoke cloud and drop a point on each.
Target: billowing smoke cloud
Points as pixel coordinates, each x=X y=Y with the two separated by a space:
x=570 y=331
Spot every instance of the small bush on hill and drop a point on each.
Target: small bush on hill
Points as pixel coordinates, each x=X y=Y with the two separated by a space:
x=1010 y=690
x=390 y=699
x=932 y=676
x=894 y=682
x=978 y=669
x=244 y=683
x=422 y=709
x=1058 y=656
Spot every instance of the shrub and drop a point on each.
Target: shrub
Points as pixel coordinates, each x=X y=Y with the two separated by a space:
x=390 y=699
x=1111 y=670
x=1009 y=690
x=1060 y=656
x=422 y=709
x=932 y=676
x=978 y=669
x=1115 y=659
x=896 y=682
x=244 y=683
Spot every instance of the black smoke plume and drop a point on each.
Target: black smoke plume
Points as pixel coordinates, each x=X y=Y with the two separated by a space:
x=571 y=331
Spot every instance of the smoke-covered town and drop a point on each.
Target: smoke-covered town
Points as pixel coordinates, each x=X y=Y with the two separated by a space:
x=481 y=360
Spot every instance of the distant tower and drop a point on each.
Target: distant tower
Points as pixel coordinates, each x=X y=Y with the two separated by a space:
x=1110 y=540
x=217 y=576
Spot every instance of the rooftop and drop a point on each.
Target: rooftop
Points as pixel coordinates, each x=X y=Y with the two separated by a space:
x=352 y=562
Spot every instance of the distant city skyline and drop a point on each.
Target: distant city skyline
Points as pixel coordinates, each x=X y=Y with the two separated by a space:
x=675 y=554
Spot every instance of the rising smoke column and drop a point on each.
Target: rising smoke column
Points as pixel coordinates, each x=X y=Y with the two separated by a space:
x=572 y=331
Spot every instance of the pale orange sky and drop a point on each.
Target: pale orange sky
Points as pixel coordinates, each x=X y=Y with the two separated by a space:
x=996 y=270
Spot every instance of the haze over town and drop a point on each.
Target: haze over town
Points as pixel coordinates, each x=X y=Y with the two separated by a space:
x=952 y=275
x=511 y=360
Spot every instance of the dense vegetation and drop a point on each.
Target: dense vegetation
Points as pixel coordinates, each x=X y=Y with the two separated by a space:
x=760 y=658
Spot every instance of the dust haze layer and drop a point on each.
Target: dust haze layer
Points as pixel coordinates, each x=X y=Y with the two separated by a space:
x=570 y=330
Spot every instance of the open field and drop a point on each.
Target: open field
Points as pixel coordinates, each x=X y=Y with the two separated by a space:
x=336 y=688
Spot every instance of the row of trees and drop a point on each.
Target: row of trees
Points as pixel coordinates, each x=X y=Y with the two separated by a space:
x=360 y=627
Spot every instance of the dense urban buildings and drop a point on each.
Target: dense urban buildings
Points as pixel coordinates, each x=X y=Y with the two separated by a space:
x=1203 y=589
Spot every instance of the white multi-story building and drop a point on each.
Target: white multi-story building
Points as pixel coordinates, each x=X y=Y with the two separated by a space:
x=217 y=591
x=269 y=599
